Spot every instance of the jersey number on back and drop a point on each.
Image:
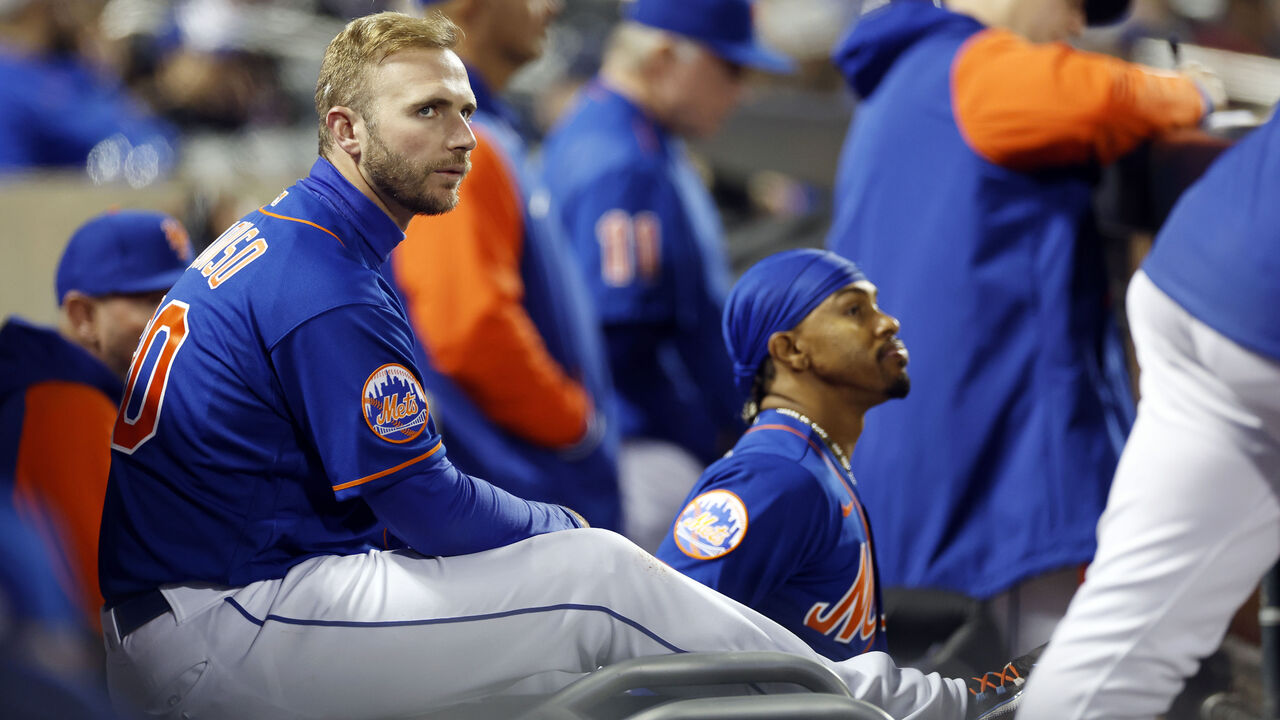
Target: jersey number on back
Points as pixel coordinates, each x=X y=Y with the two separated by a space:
x=629 y=246
x=149 y=376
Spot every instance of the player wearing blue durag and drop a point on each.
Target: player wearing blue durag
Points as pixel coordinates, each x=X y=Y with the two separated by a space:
x=778 y=524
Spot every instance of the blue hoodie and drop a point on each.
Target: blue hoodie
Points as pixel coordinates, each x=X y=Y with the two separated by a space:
x=996 y=468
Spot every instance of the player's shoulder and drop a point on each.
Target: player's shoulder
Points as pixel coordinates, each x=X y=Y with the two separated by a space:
x=777 y=440
x=761 y=473
x=30 y=354
x=601 y=139
x=282 y=263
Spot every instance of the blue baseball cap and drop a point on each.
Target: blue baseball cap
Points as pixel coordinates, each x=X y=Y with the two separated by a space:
x=723 y=26
x=124 y=252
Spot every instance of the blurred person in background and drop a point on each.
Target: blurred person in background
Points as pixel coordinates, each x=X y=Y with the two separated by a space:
x=965 y=185
x=65 y=107
x=511 y=352
x=60 y=388
x=647 y=236
x=49 y=666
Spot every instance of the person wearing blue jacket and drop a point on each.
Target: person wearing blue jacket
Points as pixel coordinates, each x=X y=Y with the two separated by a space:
x=510 y=348
x=1193 y=520
x=648 y=238
x=964 y=185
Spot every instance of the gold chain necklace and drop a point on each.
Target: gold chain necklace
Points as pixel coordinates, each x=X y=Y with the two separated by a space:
x=826 y=439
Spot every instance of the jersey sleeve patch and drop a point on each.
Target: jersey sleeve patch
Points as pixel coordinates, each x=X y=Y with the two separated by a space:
x=393 y=403
x=711 y=525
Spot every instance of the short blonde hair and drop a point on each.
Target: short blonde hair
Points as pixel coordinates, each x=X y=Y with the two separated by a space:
x=367 y=41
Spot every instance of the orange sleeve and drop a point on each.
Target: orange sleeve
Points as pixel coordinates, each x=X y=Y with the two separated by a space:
x=460 y=273
x=1027 y=106
x=63 y=458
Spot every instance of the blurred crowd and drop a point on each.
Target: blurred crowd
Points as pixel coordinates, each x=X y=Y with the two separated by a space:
x=138 y=92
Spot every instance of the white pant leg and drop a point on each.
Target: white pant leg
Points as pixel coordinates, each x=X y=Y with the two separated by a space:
x=1191 y=525
x=390 y=634
x=654 y=477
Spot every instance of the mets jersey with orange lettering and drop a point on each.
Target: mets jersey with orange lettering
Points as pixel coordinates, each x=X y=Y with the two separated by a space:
x=778 y=525
x=273 y=396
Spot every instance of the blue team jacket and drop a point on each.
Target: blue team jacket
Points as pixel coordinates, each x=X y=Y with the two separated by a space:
x=648 y=238
x=997 y=466
x=583 y=477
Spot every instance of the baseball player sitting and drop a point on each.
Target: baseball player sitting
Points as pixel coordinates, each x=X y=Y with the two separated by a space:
x=777 y=524
x=274 y=437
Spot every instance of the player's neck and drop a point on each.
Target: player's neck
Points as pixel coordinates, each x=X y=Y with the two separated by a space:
x=349 y=169
x=841 y=420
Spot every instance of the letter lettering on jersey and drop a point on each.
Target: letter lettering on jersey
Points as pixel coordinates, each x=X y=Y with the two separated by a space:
x=236 y=252
x=855 y=613
x=149 y=377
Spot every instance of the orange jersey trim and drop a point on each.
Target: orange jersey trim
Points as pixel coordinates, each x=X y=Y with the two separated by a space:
x=64 y=456
x=268 y=213
x=854 y=503
x=1027 y=106
x=388 y=471
x=460 y=275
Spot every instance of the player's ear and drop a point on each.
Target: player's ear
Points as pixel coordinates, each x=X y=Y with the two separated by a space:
x=787 y=352
x=343 y=123
x=80 y=312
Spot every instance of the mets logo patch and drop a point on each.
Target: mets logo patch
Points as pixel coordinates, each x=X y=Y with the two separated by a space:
x=711 y=525
x=393 y=404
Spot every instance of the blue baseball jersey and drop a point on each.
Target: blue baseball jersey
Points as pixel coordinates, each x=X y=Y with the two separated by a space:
x=649 y=241
x=779 y=526
x=1217 y=255
x=274 y=391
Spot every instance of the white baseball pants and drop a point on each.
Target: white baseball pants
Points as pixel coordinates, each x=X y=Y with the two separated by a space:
x=394 y=634
x=1191 y=525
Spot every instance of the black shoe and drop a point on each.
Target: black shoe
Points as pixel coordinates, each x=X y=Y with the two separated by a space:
x=997 y=694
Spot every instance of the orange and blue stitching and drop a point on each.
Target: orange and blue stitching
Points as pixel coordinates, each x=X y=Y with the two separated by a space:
x=388 y=471
x=268 y=213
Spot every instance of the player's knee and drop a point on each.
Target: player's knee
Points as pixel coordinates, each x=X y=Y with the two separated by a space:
x=598 y=549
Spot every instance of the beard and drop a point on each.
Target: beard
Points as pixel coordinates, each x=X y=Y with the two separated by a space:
x=899 y=388
x=394 y=177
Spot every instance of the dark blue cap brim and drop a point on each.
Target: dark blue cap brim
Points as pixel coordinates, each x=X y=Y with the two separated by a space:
x=752 y=56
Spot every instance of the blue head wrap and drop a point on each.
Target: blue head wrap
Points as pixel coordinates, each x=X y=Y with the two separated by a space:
x=774 y=295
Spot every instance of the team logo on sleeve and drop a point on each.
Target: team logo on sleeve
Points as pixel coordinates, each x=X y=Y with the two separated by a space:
x=394 y=404
x=711 y=525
